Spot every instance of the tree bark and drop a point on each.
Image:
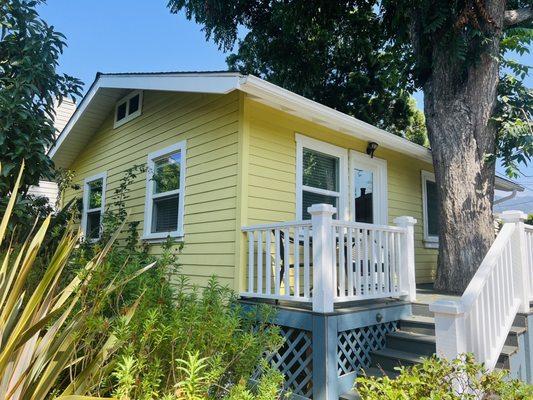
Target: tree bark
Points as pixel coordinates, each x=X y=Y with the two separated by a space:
x=458 y=107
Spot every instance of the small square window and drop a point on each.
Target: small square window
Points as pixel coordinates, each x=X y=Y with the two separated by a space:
x=134 y=104
x=128 y=108
x=121 y=111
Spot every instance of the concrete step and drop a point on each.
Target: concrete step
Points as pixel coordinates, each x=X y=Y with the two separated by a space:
x=388 y=359
x=417 y=343
x=514 y=333
x=421 y=309
x=418 y=324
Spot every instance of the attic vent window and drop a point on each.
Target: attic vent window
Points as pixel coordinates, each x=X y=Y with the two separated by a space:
x=128 y=108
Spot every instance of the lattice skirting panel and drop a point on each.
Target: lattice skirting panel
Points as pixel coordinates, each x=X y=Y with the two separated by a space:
x=295 y=361
x=354 y=346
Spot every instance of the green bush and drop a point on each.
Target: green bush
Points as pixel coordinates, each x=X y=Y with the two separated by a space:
x=184 y=342
x=436 y=378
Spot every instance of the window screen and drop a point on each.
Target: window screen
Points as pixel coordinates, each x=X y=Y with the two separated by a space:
x=320 y=170
x=432 y=208
x=320 y=178
x=165 y=193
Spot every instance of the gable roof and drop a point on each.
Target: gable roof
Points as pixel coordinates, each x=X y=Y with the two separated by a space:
x=108 y=88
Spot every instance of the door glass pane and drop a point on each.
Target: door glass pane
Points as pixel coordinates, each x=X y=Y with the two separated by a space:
x=95 y=194
x=309 y=198
x=320 y=170
x=432 y=209
x=165 y=214
x=167 y=173
x=364 y=195
x=93 y=225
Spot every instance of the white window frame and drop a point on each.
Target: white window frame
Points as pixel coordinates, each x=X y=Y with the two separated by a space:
x=430 y=241
x=128 y=117
x=148 y=208
x=378 y=167
x=329 y=149
x=86 y=187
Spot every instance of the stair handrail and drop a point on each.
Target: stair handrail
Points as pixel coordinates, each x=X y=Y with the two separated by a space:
x=480 y=320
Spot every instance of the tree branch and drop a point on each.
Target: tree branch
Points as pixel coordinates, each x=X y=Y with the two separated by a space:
x=515 y=17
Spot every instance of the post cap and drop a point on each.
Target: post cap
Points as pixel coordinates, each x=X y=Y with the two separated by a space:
x=317 y=209
x=405 y=221
x=513 y=216
x=451 y=307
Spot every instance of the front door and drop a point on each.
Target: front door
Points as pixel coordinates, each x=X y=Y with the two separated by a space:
x=368 y=189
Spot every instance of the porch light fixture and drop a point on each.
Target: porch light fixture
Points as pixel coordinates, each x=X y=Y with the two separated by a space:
x=371 y=148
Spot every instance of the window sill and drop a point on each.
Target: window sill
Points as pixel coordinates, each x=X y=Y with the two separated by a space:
x=161 y=239
x=431 y=243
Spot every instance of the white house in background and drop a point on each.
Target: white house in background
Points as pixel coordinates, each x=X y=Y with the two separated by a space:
x=46 y=188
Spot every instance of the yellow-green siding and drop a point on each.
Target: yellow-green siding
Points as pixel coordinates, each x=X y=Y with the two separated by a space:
x=241 y=170
x=209 y=124
x=272 y=174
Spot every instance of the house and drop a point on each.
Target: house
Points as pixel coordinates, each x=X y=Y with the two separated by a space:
x=280 y=197
x=47 y=189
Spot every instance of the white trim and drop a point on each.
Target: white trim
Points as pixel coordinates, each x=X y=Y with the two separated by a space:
x=179 y=233
x=431 y=242
x=380 y=193
x=101 y=176
x=128 y=117
x=329 y=149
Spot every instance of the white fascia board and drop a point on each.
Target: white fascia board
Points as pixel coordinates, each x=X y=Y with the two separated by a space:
x=507 y=185
x=193 y=83
x=215 y=83
x=74 y=118
x=332 y=118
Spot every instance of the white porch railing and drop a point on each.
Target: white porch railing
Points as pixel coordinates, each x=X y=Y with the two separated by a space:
x=479 y=322
x=529 y=255
x=325 y=261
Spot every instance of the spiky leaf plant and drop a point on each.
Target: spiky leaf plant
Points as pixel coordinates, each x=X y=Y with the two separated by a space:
x=39 y=331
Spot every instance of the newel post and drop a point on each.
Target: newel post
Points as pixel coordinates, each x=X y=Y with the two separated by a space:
x=323 y=269
x=519 y=256
x=450 y=328
x=407 y=266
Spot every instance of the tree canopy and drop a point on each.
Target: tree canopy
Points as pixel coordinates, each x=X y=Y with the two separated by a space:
x=333 y=52
x=30 y=87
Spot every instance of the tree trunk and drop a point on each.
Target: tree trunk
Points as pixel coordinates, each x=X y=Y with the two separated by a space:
x=458 y=107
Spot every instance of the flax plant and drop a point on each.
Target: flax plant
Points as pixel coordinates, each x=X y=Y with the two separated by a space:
x=40 y=331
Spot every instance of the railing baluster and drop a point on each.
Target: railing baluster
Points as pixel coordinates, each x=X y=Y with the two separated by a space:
x=268 y=263
x=259 y=262
x=296 y=261
x=277 y=271
x=306 y=262
x=349 y=261
x=366 y=263
x=386 y=265
x=250 y=262
x=358 y=266
x=340 y=269
x=286 y=263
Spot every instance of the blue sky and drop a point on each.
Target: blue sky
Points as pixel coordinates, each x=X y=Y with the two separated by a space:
x=142 y=35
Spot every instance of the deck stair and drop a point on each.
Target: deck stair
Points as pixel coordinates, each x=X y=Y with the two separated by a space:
x=415 y=339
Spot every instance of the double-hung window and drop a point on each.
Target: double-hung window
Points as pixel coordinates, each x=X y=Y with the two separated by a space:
x=321 y=176
x=431 y=210
x=165 y=189
x=93 y=206
x=128 y=108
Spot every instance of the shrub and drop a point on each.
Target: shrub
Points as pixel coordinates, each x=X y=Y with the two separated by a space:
x=436 y=378
x=40 y=337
